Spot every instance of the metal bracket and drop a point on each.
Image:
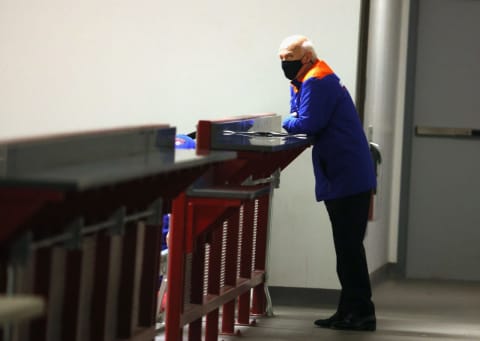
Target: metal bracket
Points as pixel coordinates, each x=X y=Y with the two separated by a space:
x=74 y=230
x=276 y=178
x=20 y=250
x=118 y=222
x=156 y=217
x=273 y=179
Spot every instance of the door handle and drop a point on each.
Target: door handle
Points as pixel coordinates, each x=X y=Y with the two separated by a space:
x=446 y=132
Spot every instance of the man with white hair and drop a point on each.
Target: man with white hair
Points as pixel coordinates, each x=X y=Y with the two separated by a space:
x=321 y=107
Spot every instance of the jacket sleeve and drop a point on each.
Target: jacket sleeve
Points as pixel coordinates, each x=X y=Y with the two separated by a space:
x=317 y=104
x=293 y=107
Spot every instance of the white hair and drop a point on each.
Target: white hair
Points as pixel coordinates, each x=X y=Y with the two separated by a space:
x=306 y=45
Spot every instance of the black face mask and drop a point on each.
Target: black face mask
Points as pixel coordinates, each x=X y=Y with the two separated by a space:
x=291 y=68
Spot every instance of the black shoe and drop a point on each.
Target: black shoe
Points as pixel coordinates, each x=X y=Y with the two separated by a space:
x=327 y=323
x=355 y=322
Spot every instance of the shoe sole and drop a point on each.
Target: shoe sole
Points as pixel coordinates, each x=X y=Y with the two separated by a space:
x=370 y=327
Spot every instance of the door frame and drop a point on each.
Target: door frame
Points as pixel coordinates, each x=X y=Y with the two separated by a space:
x=408 y=129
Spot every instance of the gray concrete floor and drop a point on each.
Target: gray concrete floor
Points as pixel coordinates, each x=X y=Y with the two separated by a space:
x=407 y=310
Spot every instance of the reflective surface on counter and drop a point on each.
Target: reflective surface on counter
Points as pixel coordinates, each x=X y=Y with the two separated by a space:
x=258 y=134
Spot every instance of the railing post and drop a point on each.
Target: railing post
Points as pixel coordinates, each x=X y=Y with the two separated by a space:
x=246 y=260
x=214 y=267
x=231 y=266
x=196 y=286
x=176 y=267
x=259 y=299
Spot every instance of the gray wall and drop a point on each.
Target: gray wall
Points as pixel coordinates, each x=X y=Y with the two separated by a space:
x=67 y=65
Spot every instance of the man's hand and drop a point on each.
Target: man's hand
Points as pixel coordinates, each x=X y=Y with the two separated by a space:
x=287 y=123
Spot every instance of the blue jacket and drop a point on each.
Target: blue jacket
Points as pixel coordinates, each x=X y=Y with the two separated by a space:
x=341 y=157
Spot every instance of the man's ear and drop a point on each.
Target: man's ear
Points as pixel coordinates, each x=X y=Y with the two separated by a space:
x=307 y=57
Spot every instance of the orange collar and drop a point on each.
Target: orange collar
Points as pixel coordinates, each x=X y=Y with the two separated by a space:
x=319 y=70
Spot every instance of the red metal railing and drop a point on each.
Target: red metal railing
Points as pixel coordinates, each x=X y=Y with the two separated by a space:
x=103 y=286
x=217 y=253
x=218 y=243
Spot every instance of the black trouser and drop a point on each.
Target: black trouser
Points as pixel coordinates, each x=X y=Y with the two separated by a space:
x=349 y=218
